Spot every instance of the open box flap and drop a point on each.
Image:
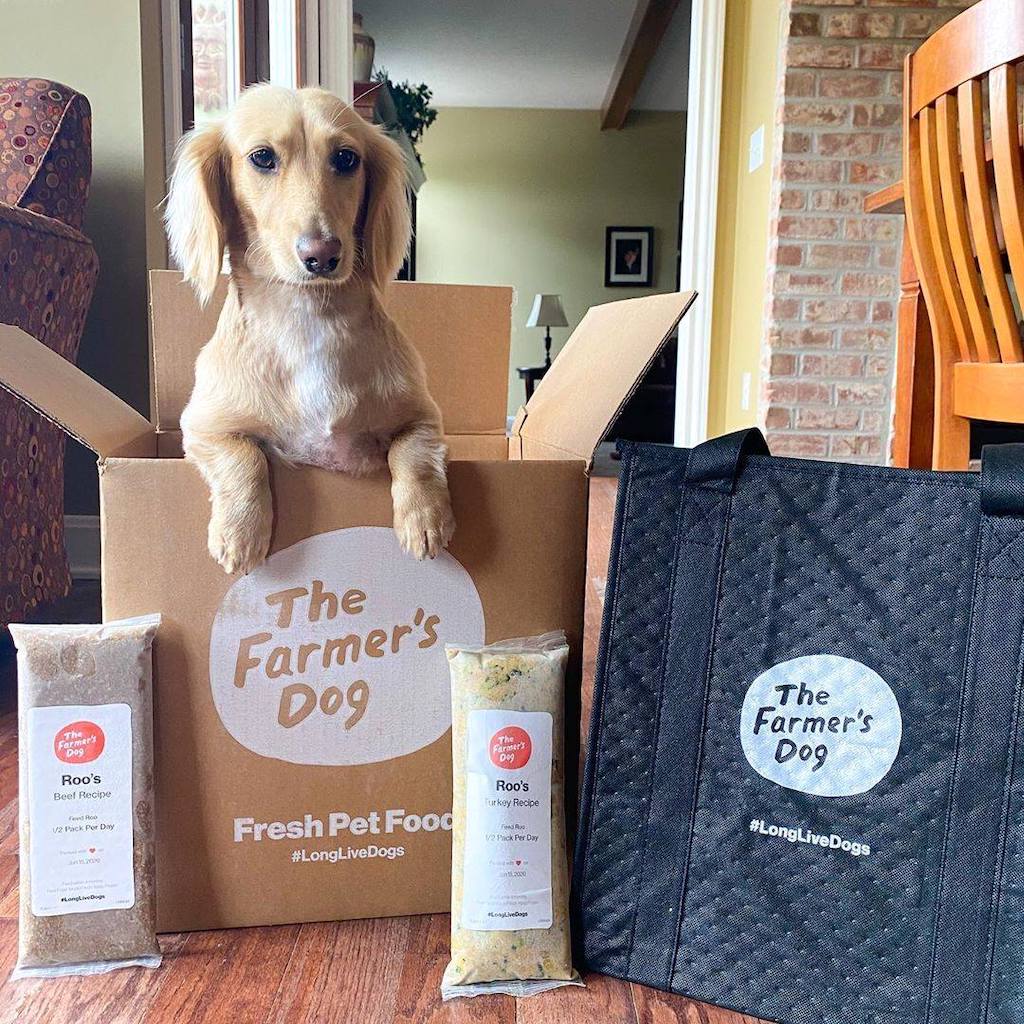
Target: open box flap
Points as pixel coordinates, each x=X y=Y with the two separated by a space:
x=66 y=396
x=463 y=333
x=179 y=328
x=595 y=374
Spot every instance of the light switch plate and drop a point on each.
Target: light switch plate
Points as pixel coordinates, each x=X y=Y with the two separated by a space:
x=756 y=155
x=745 y=392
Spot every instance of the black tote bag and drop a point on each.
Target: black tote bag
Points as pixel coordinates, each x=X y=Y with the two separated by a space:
x=803 y=796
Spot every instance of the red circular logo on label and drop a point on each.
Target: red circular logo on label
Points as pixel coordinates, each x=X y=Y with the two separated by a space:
x=511 y=748
x=79 y=743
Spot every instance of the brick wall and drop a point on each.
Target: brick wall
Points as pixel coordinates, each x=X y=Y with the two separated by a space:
x=833 y=271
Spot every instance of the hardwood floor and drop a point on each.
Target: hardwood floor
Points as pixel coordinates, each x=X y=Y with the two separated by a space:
x=363 y=972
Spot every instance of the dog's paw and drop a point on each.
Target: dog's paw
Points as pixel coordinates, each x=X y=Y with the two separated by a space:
x=424 y=527
x=239 y=540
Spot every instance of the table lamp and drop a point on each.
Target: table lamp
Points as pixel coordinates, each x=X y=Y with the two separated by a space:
x=547 y=312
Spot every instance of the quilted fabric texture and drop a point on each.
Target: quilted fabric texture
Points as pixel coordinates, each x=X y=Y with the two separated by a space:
x=47 y=274
x=45 y=150
x=680 y=883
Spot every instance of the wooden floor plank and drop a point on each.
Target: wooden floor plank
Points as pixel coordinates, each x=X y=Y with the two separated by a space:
x=9 y=841
x=120 y=997
x=8 y=888
x=654 y=1007
x=335 y=967
x=599 y=542
x=232 y=975
x=8 y=958
x=419 y=999
x=603 y=999
x=8 y=757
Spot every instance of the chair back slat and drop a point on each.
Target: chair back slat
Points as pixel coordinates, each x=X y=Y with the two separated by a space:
x=938 y=239
x=1008 y=171
x=961 y=246
x=919 y=234
x=983 y=227
x=964 y=186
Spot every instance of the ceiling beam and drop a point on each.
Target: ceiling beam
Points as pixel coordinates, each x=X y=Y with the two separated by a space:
x=650 y=22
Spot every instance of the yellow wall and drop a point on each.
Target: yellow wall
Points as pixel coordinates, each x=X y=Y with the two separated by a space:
x=744 y=210
x=523 y=197
x=94 y=47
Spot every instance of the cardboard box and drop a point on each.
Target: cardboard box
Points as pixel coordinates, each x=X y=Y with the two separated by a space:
x=287 y=790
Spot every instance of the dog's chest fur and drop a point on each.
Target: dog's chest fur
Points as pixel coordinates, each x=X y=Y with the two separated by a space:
x=336 y=374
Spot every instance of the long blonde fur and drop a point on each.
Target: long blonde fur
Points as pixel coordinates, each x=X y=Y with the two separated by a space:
x=195 y=226
x=308 y=367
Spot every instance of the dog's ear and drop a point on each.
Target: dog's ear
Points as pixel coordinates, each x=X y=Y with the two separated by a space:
x=196 y=208
x=387 y=227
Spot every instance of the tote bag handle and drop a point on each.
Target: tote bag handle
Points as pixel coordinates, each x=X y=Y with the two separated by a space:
x=1002 y=479
x=716 y=464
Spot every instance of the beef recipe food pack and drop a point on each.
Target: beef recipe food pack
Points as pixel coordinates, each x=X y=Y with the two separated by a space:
x=804 y=790
x=303 y=714
x=85 y=753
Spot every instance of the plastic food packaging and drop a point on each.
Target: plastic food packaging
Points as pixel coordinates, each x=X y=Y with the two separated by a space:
x=87 y=866
x=510 y=887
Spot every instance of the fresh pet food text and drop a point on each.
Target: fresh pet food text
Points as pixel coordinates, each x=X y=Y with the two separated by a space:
x=374 y=823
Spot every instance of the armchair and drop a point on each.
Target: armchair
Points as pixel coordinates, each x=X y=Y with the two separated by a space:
x=48 y=271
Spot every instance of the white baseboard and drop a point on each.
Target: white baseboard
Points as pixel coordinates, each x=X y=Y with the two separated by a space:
x=82 y=540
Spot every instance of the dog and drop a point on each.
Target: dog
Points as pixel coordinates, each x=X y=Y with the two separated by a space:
x=311 y=204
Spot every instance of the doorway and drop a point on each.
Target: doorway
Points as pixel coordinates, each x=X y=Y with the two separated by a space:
x=533 y=171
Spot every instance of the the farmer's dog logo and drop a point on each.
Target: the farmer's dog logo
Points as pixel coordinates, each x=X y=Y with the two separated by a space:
x=822 y=724
x=332 y=651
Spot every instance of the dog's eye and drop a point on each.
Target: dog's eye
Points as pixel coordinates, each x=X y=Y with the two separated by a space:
x=345 y=161
x=264 y=159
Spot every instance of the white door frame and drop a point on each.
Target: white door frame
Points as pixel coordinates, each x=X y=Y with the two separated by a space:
x=334 y=53
x=326 y=56
x=700 y=217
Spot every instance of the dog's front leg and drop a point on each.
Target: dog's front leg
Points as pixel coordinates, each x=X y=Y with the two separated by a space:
x=419 y=490
x=241 y=514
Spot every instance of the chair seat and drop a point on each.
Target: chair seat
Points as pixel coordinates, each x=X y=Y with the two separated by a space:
x=989 y=391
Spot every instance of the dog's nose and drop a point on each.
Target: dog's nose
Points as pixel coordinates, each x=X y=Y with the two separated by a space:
x=318 y=255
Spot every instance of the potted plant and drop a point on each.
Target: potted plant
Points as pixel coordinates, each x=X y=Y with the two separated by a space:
x=411 y=111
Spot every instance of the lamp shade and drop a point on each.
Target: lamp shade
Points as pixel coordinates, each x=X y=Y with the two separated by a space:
x=547 y=312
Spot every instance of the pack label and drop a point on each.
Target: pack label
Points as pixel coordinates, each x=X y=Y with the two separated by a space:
x=80 y=808
x=507 y=868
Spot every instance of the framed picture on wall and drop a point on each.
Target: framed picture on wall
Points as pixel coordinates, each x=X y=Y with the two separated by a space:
x=629 y=257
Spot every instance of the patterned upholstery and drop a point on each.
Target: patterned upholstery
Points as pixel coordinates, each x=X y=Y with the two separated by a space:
x=48 y=271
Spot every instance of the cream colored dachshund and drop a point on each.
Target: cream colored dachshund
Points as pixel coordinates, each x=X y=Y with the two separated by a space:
x=310 y=202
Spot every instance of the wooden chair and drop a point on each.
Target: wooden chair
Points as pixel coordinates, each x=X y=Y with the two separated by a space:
x=964 y=197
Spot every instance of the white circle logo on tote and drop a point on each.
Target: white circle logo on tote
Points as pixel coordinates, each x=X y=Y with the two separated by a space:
x=822 y=724
x=332 y=651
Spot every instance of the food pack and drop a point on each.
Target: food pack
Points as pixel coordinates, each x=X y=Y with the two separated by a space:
x=88 y=885
x=510 y=891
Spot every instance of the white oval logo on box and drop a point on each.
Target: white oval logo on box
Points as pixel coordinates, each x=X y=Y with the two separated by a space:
x=332 y=651
x=821 y=724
